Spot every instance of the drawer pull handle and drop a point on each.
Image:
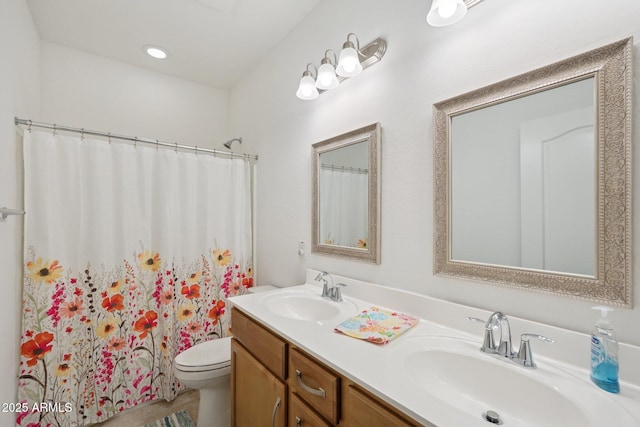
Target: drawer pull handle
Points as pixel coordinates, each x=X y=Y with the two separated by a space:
x=318 y=392
x=298 y=421
x=273 y=414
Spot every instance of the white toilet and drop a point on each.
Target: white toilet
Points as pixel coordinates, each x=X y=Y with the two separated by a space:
x=207 y=367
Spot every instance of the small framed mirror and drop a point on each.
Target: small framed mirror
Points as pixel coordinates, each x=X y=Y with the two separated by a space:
x=532 y=179
x=346 y=195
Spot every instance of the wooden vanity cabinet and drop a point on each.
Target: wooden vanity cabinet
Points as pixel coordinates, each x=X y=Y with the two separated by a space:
x=274 y=383
x=258 y=373
x=365 y=410
x=259 y=398
x=262 y=343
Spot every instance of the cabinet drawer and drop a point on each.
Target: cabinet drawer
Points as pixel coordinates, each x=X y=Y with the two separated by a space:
x=270 y=349
x=316 y=385
x=300 y=415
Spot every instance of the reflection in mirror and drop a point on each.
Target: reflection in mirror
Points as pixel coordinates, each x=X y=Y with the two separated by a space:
x=532 y=179
x=346 y=195
x=343 y=188
x=523 y=176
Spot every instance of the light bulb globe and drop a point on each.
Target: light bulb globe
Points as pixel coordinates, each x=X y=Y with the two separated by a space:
x=326 y=77
x=349 y=63
x=307 y=88
x=446 y=12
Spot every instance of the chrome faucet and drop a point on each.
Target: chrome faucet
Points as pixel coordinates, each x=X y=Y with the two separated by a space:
x=502 y=346
x=332 y=292
x=497 y=322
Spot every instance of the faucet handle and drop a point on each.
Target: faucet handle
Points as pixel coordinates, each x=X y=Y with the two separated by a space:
x=337 y=291
x=489 y=344
x=325 y=283
x=525 y=357
x=525 y=337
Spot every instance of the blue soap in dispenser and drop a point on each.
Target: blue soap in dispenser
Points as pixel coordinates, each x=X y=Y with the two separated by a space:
x=604 y=354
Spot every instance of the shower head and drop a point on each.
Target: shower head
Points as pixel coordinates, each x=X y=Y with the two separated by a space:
x=231 y=141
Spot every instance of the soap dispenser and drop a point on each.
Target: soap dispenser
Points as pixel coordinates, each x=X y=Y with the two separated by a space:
x=604 y=353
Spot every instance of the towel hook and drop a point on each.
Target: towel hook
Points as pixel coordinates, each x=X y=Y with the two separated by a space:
x=4 y=213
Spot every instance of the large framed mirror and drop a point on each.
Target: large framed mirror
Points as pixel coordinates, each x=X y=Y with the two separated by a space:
x=346 y=195
x=532 y=179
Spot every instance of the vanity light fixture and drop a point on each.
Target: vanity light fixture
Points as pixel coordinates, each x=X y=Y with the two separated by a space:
x=448 y=12
x=156 y=52
x=351 y=62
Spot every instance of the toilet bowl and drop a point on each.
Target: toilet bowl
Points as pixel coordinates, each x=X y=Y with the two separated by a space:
x=207 y=367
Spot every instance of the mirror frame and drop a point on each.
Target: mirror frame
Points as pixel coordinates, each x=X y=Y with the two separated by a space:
x=611 y=68
x=371 y=134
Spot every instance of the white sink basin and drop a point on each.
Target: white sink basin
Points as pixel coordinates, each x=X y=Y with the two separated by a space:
x=308 y=306
x=455 y=372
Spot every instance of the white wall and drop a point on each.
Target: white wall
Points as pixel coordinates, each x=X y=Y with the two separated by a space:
x=19 y=89
x=423 y=65
x=87 y=91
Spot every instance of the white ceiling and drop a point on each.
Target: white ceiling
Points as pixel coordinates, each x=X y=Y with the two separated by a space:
x=213 y=42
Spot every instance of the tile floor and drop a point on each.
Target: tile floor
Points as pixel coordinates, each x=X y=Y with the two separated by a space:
x=137 y=417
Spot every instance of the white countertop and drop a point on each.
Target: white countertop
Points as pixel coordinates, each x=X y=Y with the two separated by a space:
x=373 y=366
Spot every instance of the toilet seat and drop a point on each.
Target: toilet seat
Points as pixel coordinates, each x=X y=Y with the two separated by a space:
x=206 y=356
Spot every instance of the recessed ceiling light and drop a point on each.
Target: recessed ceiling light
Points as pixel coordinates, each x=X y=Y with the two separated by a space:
x=156 y=52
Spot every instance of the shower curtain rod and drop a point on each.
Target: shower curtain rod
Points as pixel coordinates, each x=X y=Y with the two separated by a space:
x=134 y=139
x=343 y=168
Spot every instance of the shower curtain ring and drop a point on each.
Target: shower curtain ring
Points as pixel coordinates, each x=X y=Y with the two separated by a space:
x=82 y=134
x=196 y=150
x=30 y=123
x=176 y=147
x=135 y=142
x=109 y=136
x=157 y=144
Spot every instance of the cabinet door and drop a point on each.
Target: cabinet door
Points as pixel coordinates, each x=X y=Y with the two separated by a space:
x=258 y=397
x=364 y=411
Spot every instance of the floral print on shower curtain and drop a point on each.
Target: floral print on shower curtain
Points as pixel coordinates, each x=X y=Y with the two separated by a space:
x=101 y=327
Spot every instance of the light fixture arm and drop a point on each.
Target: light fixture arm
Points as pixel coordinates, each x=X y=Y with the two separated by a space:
x=328 y=60
x=357 y=46
x=309 y=73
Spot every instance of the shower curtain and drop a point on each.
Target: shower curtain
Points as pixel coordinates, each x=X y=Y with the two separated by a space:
x=344 y=207
x=130 y=255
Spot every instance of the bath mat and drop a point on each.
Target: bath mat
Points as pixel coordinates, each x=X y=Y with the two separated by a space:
x=377 y=325
x=177 y=419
